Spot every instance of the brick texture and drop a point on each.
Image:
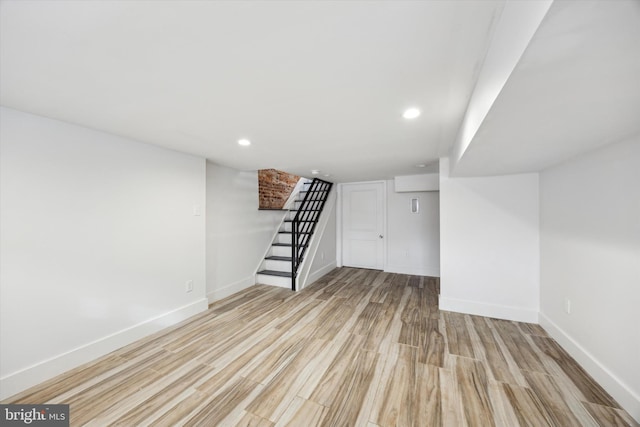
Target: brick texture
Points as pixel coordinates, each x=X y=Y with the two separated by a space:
x=274 y=188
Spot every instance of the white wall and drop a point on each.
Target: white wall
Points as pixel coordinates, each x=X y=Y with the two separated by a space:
x=413 y=239
x=324 y=255
x=489 y=250
x=97 y=239
x=590 y=254
x=238 y=234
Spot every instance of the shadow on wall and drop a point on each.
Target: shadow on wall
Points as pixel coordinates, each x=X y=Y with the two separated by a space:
x=274 y=188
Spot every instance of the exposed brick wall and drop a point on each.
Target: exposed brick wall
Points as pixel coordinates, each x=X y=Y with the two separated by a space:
x=274 y=188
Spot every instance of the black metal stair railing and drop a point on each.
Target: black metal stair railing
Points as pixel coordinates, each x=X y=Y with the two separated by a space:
x=304 y=223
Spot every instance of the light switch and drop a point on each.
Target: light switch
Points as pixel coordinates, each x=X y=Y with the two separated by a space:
x=415 y=206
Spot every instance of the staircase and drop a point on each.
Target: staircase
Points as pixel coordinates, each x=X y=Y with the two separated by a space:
x=281 y=265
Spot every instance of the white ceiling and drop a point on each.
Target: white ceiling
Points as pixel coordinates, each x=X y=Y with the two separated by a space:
x=314 y=85
x=322 y=84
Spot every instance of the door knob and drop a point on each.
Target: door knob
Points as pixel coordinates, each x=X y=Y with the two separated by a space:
x=381 y=236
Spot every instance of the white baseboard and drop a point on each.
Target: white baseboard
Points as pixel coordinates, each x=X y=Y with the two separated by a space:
x=519 y=314
x=231 y=288
x=317 y=274
x=414 y=271
x=19 y=381
x=616 y=387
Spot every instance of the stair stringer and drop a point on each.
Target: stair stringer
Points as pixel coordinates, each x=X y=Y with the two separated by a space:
x=304 y=271
x=300 y=186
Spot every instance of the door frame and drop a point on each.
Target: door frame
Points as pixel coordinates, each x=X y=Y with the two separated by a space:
x=339 y=222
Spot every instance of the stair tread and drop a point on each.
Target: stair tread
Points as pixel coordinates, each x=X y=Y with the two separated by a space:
x=279 y=258
x=275 y=273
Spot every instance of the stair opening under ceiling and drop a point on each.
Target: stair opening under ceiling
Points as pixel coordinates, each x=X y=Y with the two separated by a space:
x=275 y=188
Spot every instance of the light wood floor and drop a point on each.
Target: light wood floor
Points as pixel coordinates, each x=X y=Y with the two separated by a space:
x=357 y=348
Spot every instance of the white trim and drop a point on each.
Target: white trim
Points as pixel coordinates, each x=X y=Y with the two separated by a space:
x=519 y=314
x=320 y=272
x=385 y=226
x=231 y=288
x=19 y=381
x=615 y=386
x=365 y=182
x=294 y=193
x=433 y=271
x=339 y=225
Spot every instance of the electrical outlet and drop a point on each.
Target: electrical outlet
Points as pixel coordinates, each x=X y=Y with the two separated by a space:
x=567 y=305
x=188 y=286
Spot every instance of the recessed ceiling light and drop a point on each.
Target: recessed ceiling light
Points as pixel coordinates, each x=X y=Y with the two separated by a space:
x=244 y=142
x=327 y=175
x=315 y=171
x=421 y=165
x=411 y=113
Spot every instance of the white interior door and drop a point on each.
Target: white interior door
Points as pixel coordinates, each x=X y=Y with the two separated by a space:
x=363 y=225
